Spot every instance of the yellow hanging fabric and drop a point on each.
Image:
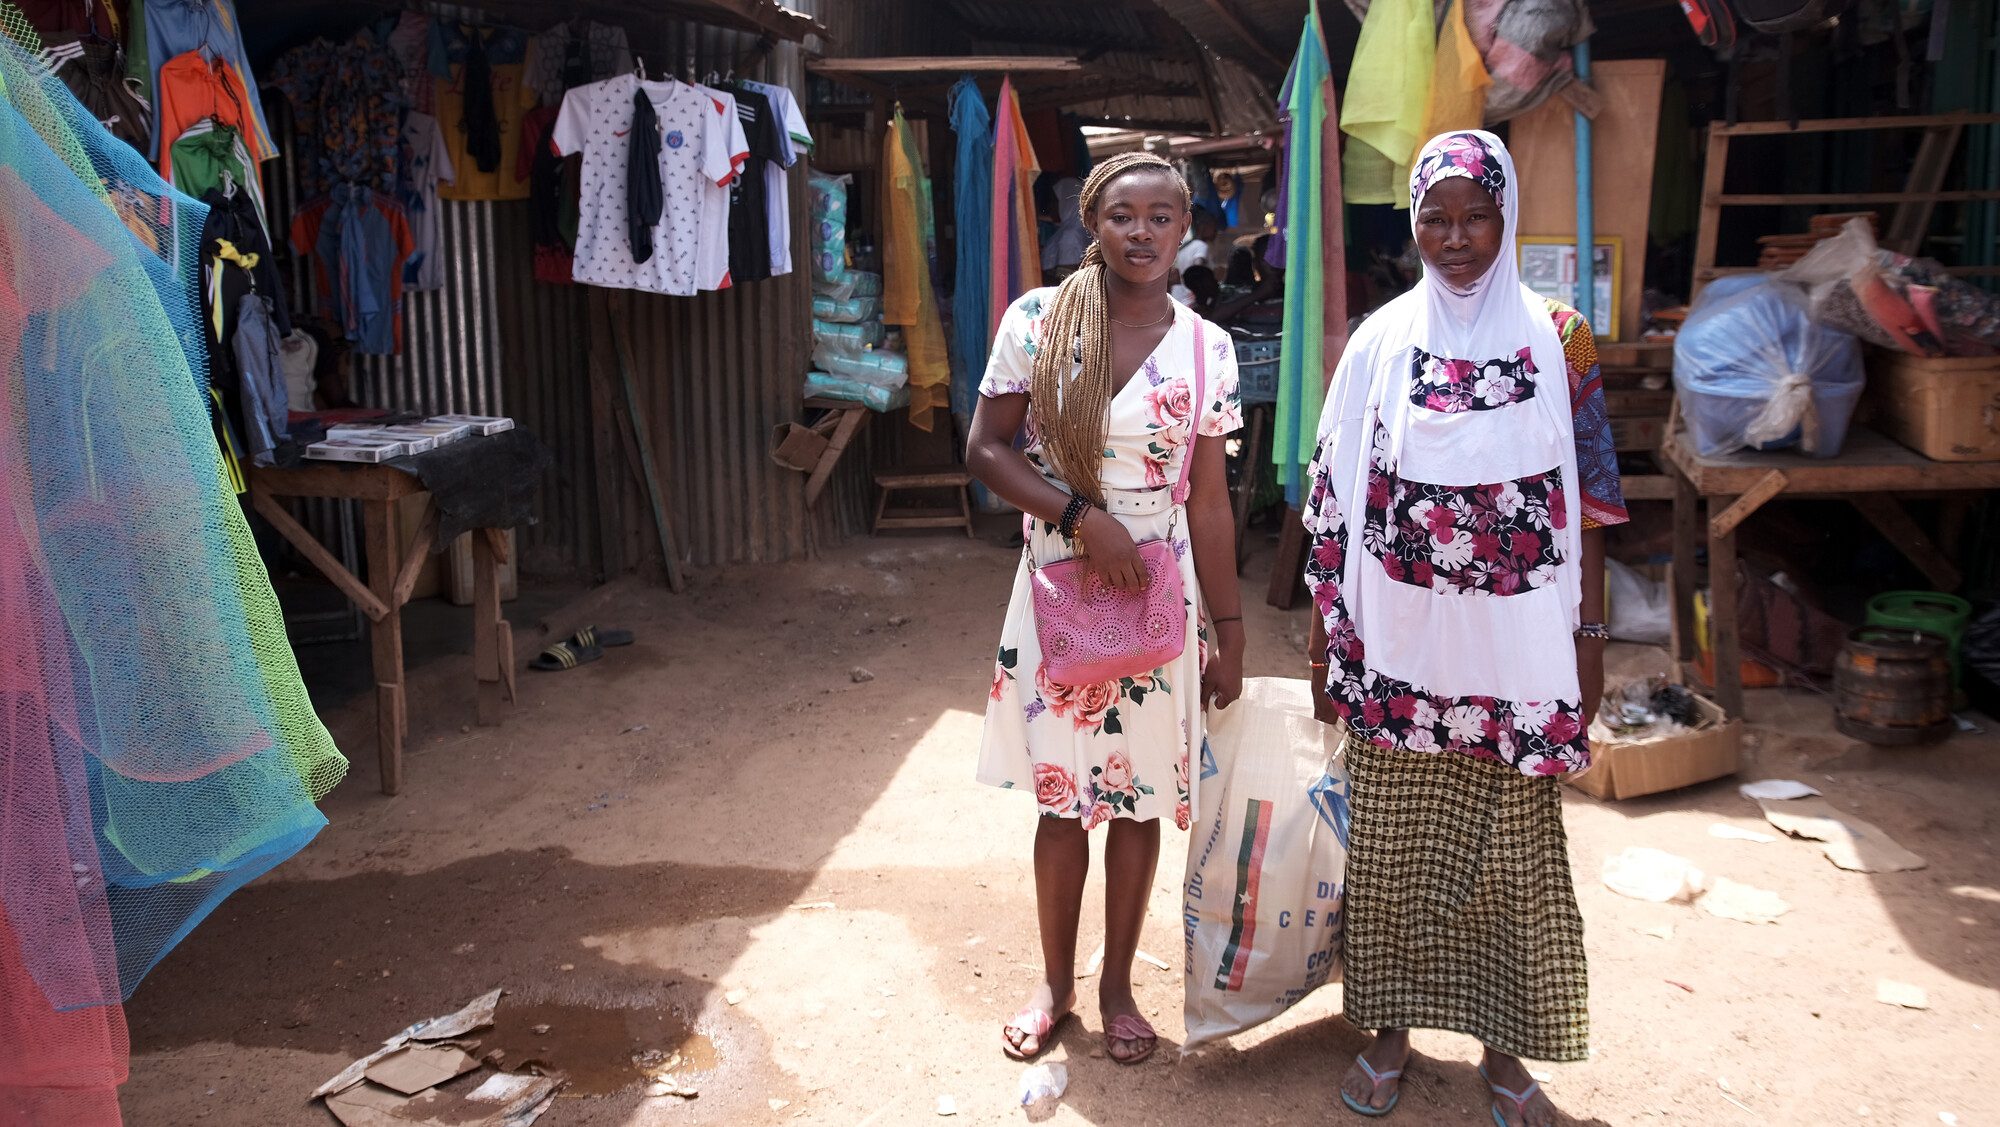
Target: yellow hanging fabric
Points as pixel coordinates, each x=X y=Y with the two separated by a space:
x=907 y=297
x=1459 y=82
x=1388 y=92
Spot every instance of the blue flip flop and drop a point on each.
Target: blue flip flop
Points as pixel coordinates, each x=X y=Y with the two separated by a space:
x=1520 y=1098
x=1377 y=1079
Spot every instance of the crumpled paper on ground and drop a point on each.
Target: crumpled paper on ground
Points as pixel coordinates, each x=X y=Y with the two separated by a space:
x=1847 y=841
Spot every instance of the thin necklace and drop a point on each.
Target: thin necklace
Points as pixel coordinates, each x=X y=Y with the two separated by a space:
x=1149 y=324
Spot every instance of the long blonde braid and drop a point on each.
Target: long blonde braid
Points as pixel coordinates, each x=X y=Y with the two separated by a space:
x=1071 y=412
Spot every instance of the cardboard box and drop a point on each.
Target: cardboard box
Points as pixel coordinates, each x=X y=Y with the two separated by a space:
x=1946 y=408
x=1627 y=770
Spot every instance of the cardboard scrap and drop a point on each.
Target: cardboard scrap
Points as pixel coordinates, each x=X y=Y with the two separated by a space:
x=501 y=1100
x=1889 y=992
x=1775 y=789
x=1847 y=841
x=414 y=1068
x=476 y=1014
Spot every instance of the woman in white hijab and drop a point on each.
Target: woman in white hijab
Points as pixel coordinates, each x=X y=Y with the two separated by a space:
x=1464 y=475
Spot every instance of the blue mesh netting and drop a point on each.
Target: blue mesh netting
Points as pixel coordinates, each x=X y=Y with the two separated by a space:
x=157 y=749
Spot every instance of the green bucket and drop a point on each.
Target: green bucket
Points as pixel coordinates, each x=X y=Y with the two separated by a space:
x=1932 y=611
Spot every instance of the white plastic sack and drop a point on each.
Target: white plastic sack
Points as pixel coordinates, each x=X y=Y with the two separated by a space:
x=1639 y=608
x=1267 y=862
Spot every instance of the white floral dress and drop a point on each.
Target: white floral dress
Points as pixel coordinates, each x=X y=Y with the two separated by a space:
x=1118 y=749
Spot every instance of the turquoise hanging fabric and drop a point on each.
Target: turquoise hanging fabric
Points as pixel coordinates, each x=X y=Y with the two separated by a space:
x=1302 y=363
x=972 y=199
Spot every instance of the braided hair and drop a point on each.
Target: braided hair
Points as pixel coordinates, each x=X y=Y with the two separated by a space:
x=1070 y=411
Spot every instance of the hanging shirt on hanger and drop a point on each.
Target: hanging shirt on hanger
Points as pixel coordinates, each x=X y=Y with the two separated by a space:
x=210 y=156
x=713 y=254
x=552 y=197
x=426 y=161
x=480 y=101
x=700 y=150
x=750 y=202
x=173 y=28
x=408 y=38
x=778 y=193
x=74 y=17
x=574 y=53
x=193 y=88
x=358 y=240
x=348 y=100
x=95 y=72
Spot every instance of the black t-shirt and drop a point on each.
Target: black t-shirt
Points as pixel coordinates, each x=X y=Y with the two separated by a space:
x=749 y=200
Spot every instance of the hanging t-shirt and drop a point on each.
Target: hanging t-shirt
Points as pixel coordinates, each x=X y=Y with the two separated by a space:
x=193 y=88
x=698 y=155
x=713 y=253
x=358 y=240
x=506 y=52
x=83 y=17
x=210 y=156
x=408 y=37
x=574 y=53
x=552 y=195
x=426 y=160
x=94 y=71
x=750 y=196
x=348 y=98
x=778 y=193
x=172 y=28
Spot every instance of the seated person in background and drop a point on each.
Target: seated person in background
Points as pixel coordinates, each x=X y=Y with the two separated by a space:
x=1193 y=253
x=1202 y=288
x=1242 y=268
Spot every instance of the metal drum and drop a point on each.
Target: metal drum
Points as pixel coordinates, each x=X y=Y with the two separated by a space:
x=1892 y=686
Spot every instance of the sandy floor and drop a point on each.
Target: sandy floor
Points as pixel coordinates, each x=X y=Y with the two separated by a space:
x=717 y=827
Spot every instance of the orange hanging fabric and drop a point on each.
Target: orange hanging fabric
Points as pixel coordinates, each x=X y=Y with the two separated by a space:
x=1017 y=244
x=907 y=297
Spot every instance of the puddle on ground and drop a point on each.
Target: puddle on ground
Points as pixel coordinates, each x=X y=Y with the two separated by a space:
x=600 y=1050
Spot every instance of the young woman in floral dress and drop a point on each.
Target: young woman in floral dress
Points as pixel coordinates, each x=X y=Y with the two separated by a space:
x=1098 y=376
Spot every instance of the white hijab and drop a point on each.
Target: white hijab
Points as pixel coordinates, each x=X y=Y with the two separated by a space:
x=1415 y=634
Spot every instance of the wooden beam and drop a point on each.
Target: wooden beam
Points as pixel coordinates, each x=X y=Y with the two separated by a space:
x=296 y=535
x=1849 y=124
x=1839 y=199
x=1227 y=14
x=413 y=557
x=1724 y=523
x=1895 y=525
x=945 y=64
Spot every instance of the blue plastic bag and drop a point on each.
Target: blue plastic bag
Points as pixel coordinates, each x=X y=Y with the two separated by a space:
x=1753 y=371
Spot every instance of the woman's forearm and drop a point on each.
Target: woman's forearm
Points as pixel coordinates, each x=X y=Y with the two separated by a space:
x=990 y=456
x=1212 y=531
x=1593 y=575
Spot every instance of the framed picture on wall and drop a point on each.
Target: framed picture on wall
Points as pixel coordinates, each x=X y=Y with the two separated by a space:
x=1548 y=266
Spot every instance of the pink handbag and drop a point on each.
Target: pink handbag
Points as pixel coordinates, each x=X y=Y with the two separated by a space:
x=1091 y=632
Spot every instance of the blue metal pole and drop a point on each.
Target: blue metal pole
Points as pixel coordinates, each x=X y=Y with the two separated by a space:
x=1586 y=217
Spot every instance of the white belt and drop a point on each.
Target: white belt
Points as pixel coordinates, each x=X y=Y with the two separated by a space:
x=1138 y=502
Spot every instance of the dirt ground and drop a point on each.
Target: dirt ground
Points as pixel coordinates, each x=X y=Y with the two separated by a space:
x=719 y=829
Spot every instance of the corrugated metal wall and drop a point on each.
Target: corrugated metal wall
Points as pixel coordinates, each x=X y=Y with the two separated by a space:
x=716 y=373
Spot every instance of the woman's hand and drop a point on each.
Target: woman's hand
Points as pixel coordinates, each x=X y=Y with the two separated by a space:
x=1222 y=680
x=1590 y=675
x=1110 y=552
x=1323 y=710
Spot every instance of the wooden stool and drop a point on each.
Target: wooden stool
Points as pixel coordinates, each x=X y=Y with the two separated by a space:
x=923 y=516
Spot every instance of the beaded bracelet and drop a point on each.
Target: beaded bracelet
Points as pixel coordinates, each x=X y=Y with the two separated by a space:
x=1072 y=517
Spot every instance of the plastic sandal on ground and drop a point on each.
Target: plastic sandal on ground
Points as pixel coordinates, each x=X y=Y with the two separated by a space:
x=1376 y=1079
x=565 y=655
x=591 y=636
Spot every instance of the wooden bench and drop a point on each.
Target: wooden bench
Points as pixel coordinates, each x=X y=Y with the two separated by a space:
x=954 y=478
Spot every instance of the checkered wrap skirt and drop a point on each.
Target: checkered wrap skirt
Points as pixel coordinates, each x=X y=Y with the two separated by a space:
x=1460 y=910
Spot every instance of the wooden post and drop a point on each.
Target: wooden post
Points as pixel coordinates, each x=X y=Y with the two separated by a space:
x=1722 y=618
x=486 y=656
x=604 y=439
x=1708 y=228
x=1687 y=523
x=385 y=639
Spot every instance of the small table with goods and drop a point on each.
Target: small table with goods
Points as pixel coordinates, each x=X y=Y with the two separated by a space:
x=377 y=489
x=1868 y=473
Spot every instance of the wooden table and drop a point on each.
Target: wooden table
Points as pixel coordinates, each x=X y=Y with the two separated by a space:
x=377 y=489
x=1869 y=471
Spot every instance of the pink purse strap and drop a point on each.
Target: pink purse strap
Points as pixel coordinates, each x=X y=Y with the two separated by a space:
x=1195 y=406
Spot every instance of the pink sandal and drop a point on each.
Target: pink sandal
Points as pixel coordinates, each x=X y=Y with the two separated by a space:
x=1130 y=1027
x=1032 y=1023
